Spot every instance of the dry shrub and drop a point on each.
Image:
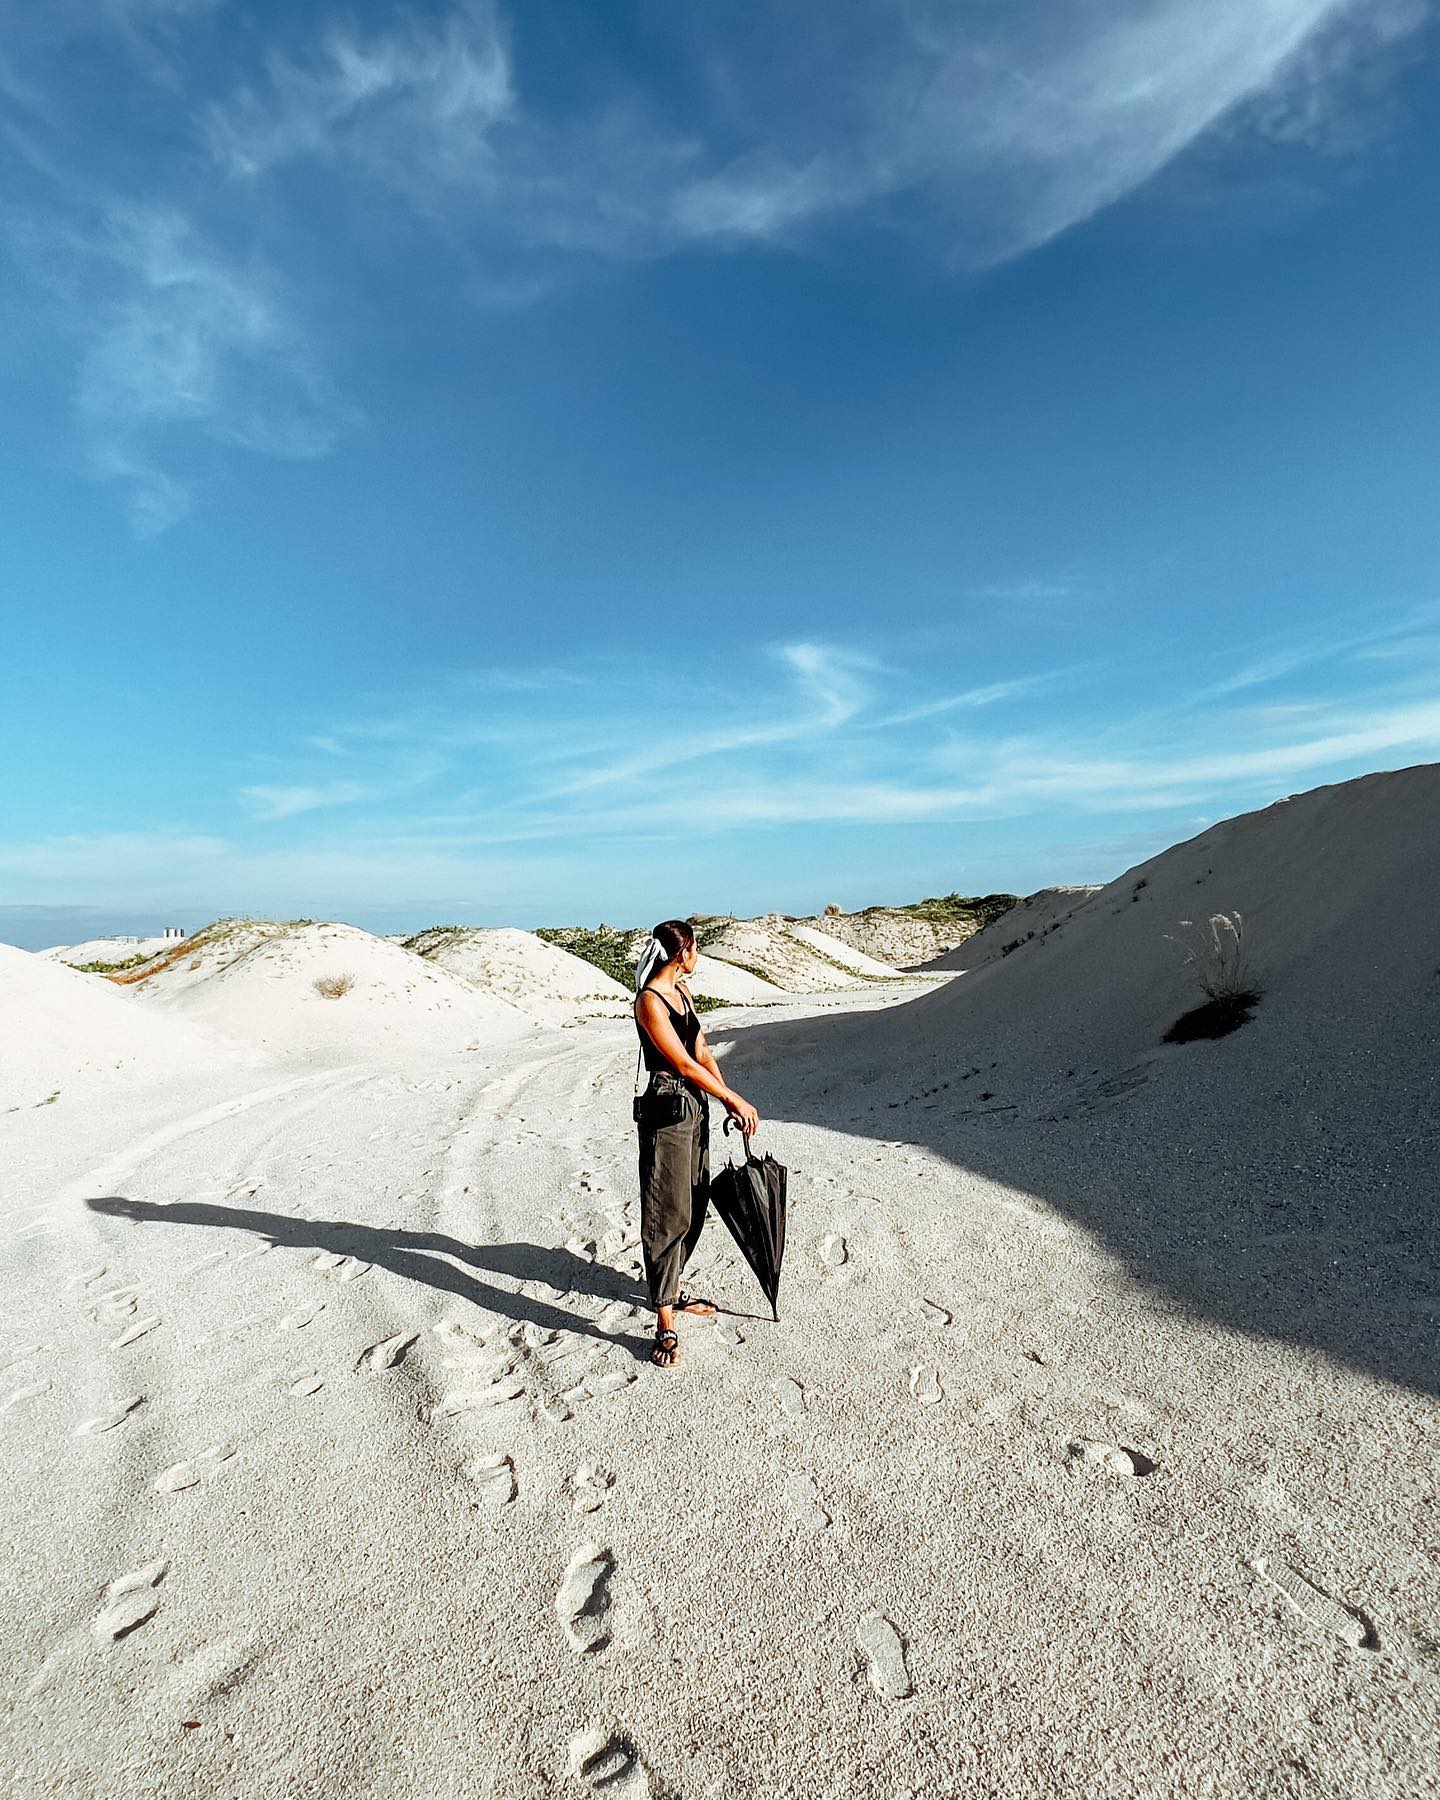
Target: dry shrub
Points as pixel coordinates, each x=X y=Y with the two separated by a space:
x=1217 y=956
x=334 y=987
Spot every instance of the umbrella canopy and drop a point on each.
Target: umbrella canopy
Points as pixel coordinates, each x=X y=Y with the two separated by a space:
x=751 y=1198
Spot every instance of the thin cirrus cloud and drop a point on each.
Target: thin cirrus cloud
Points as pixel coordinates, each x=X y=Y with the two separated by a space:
x=822 y=739
x=428 y=822
x=1012 y=125
x=988 y=130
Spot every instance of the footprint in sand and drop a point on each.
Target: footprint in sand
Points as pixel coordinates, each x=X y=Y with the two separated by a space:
x=925 y=1385
x=615 y=1318
x=728 y=1334
x=802 y=1498
x=612 y=1381
x=582 y=1604
x=189 y=1474
x=141 y=1328
x=302 y=1316
x=466 y=1400
x=207 y=1262
x=1089 y=1456
x=609 y=1764
x=129 y=1601
x=389 y=1353
x=1316 y=1607
x=86 y=1276
x=461 y=1337
x=304 y=1382
x=353 y=1268
x=327 y=1262
x=32 y=1391
x=834 y=1251
x=933 y=1313
x=583 y=1247
x=590 y=1486
x=790 y=1395
x=120 y=1303
x=494 y=1478
x=880 y=1644
x=110 y=1420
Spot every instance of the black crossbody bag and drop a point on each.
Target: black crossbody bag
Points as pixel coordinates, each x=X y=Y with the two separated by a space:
x=665 y=1106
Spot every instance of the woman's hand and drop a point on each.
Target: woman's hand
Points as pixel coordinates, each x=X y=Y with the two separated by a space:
x=745 y=1113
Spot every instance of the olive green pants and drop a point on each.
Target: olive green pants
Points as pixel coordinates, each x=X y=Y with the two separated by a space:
x=674 y=1184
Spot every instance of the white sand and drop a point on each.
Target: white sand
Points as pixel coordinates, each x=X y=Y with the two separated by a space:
x=256 y=982
x=793 y=964
x=717 y=980
x=544 y=982
x=835 y=949
x=1093 y=1455
x=68 y=1035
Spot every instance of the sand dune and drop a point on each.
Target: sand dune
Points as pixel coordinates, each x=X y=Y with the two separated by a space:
x=1092 y=1455
x=1036 y=916
x=66 y=1033
x=835 y=949
x=543 y=981
x=325 y=989
x=798 y=962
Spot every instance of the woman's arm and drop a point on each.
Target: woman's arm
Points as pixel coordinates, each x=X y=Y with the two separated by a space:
x=657 y=1023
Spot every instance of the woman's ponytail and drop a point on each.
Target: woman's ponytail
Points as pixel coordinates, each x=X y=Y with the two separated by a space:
x=668 y=940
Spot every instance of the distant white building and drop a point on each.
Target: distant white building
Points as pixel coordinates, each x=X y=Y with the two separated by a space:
x=173 y=931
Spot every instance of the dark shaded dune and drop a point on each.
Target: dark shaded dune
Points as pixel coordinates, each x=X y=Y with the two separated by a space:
x=1282 y=1179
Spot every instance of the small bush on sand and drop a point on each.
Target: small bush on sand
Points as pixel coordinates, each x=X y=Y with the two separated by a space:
x=334 y=987
x=111 y=968
x=1217 y=956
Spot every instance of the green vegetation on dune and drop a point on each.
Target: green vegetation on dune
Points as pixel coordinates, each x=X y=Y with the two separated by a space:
x=603 y=945
x=111 y=968
x=978 y=910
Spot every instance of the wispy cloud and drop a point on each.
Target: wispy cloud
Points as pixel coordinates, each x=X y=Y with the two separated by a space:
x=1013 y=126
x=822 y=736
x=271 y=802
x=987 y=131
x=822 y=732
x=175 y=336
x=990 y=695
x=400 y=102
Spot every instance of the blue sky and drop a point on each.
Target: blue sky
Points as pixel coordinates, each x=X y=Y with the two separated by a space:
x=584 y=462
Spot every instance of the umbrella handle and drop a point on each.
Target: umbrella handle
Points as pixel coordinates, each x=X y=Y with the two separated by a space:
x=730 y=1120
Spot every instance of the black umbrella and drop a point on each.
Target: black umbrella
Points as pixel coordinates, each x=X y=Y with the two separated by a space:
x=750 y=1198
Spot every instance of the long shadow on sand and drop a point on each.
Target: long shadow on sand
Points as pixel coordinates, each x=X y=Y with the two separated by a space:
x=419 y=1256
x=1302 y=1209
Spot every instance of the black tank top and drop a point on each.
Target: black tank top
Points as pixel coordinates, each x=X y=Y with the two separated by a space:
x=687 y=1029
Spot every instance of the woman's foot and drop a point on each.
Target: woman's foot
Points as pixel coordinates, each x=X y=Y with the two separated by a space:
x=697 y=1304
x=665 y=1350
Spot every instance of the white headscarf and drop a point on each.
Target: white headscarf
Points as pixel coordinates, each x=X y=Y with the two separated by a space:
x=653 y=958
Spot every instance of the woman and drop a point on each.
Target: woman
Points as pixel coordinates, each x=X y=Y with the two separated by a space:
x=674 y=1119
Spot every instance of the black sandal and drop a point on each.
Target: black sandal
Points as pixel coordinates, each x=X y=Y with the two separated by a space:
x=665 y=1342
x=685 y=1301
